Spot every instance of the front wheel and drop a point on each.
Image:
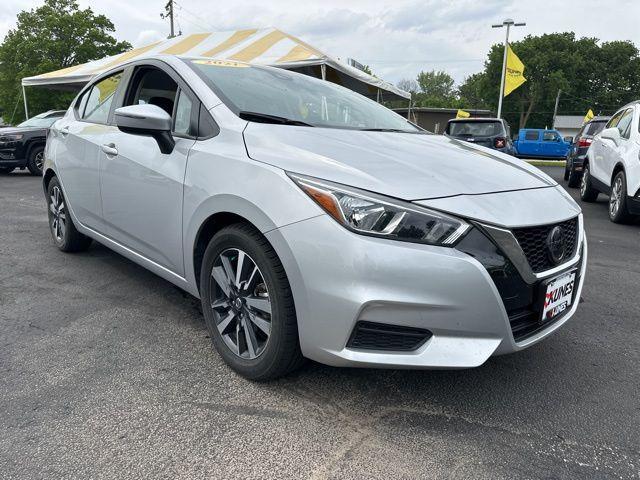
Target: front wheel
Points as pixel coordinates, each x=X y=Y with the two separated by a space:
x=248 y=304
x=587 y=192
x=618 y=211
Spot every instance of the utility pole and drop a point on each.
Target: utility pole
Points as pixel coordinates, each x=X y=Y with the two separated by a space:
x=507 y=23
x=555 y=109
x=168 y=13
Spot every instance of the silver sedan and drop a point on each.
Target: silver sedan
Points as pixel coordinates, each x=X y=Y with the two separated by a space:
x=311 y=221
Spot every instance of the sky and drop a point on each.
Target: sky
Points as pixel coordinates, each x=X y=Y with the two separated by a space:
x=397 y=39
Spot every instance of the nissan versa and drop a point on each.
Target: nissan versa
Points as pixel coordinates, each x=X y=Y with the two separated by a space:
x=311 y=221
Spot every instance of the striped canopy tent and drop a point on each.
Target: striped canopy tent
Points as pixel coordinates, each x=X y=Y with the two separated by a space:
x=266 y=46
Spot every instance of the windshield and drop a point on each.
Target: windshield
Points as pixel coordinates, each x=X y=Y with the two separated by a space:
x=39 y=121
x=475 y=129
x=296 y=97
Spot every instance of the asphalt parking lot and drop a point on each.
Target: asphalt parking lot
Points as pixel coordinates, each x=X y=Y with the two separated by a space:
x=107 y=372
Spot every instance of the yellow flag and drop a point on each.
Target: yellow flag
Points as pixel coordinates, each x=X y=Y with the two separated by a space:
x=514 y=75
x=588 y=116
x=462 y=114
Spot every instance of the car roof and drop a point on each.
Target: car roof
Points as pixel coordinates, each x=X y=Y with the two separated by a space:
x=476 y=119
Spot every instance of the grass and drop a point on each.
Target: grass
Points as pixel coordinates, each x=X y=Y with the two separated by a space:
x=546 y=163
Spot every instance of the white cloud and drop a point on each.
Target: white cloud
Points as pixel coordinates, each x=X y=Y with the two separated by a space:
x=396 y=39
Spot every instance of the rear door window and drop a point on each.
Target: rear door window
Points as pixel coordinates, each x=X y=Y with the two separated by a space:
x=550 y=137
x=531 y=135
x=594 y=127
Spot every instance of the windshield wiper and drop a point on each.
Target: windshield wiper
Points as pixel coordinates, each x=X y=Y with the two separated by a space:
x=266 y=118
x=397 y=130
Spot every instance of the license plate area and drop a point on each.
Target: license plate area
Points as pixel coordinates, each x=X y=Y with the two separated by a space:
x=558 y=296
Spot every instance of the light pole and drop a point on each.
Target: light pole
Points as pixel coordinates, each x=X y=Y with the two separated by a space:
x=507 y=23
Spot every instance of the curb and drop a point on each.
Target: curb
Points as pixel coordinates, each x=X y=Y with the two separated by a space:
x=547 y=163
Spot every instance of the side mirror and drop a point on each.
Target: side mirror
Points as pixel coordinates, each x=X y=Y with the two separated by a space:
x=611 y=134
x=568 y=139
x=147 y=120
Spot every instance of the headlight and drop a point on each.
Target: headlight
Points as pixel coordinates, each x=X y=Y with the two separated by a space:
x=370 y=214
x=11 y=137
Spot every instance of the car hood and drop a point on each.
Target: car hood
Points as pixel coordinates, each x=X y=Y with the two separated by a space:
x=9 y=130
x=401 y=165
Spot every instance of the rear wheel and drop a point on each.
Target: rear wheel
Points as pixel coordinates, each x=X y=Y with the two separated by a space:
x=248 y=305
x=64 y=232
x=587 y=192
x=573 y=181
x=618 y=211
x=36 y=160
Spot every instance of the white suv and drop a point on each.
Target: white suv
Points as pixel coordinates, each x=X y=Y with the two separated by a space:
x=613 y=165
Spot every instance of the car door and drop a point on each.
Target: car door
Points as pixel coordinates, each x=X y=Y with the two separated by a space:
x=528 y=143
x=141 y=187
x=612 y=150
x=78 y=138
x=602 y=150
x=549 y=147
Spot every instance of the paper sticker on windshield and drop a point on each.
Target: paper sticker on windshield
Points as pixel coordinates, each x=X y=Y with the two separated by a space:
x=220 y=63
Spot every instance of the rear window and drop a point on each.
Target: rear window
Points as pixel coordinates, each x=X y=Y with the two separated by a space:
x=594 y=127
x=531 y=135
x=475 y=129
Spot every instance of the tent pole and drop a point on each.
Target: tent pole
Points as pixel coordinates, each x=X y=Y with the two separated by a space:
x=26 y=109
x=323 y=71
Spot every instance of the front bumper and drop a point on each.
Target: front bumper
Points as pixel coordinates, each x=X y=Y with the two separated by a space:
x=340 y=278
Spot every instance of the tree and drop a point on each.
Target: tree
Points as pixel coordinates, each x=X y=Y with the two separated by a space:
x=470 y=92
x=436 y=90
x=408 y=85
x=53 y=36
x=602 y=77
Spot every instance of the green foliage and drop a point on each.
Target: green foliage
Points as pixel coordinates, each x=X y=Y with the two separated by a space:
x=56 y=35
x=436 y=90
x=591 y=75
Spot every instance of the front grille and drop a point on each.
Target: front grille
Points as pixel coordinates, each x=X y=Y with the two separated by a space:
x=380 y=336
x=523 y=302
x=533 y=241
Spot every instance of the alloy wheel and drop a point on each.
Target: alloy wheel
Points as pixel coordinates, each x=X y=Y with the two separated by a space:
x=616 y=197
x=39 y=160
x=58 y=214
x=241 y=304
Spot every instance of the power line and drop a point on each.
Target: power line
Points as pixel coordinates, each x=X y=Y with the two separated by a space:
x=194 y=15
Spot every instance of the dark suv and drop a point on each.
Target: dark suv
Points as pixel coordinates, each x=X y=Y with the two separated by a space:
x=489 y=132
x=23 y=146
x=579 y=147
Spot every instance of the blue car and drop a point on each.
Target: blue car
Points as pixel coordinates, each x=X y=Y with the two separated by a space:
x=537 y=142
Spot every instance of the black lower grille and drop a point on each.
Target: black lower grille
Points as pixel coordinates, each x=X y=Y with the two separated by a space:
x=533 y=241
x=381 y=336
x=523 y=302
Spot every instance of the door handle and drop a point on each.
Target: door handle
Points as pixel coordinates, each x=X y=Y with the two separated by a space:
x=110 y=149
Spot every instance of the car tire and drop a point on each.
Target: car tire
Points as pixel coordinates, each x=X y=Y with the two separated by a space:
x=587 y=192
x=567 y=170
x=574 y=178
x=618 y=209
x=6 y=170
x=251 y=317
x=36 y=160
x=64 y=233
